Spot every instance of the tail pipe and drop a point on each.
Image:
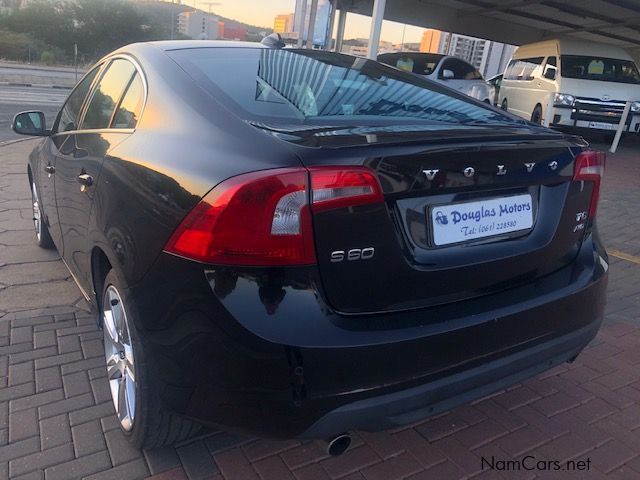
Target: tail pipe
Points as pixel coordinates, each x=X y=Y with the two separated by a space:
x=338 y=444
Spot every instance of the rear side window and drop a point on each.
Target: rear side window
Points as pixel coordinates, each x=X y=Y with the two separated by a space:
x=461 y=70
x=107 y=94
x=419 y=63
x=523 y=68
x=128 y=113
x=68 y=119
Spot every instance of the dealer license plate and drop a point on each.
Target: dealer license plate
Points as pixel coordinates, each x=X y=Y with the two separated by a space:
x=463 y=222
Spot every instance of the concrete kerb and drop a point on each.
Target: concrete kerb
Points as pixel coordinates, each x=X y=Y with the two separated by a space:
x=37 y=85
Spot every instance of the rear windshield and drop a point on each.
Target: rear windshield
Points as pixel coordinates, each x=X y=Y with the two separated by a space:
x=599 y=68
x=307 y=85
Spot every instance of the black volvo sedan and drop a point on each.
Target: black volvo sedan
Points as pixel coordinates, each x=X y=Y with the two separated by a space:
x=298 y=243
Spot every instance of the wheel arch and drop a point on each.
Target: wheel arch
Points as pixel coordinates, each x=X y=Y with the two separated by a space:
x=100 y=267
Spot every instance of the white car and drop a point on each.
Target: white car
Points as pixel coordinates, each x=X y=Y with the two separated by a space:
x=576 y=83
x=450 y=71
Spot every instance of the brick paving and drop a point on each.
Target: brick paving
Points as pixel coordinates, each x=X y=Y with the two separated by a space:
x=56 y=420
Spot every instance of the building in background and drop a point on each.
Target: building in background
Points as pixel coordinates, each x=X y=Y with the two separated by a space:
x=497 y=58
x=385 y=46
x=234 y=31
x=490 y=58
x=430 y=41
x=471 y=49
x=356 y=50
x=199 y=25
x=407 y=47
x=283 y=23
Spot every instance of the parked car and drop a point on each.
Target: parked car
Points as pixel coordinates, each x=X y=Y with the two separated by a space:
x=589 y=84
x=451 y=71
x=299 y=243
x=496 y=81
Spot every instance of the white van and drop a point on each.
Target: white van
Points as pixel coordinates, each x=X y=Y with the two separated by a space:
x=589 y=84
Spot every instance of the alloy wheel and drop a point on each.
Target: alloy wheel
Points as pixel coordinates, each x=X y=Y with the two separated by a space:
x=118 y=349
x=37 y=214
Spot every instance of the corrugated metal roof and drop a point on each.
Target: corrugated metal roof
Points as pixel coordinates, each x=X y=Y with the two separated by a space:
x=520 y=21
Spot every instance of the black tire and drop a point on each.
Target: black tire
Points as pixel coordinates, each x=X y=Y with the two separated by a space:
x=153 y=425
x=43 y=238
x=536 y=116
x=505 y=105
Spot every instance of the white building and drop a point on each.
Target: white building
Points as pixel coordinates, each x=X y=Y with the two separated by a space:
x=497 y=58
x=357 y=50
x=490 y=58
x=198 y=25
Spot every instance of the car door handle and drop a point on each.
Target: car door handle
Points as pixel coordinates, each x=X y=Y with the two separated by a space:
x=50 y=169
x=85 y=179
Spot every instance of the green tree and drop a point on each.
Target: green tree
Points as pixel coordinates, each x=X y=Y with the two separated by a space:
x=44 y=20
x=19 y=46
x=104 y=25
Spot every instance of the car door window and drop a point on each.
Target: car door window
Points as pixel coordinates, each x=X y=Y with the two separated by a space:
x=128 y=112
x=461 y=70
x=107 y=94
x=524 y=68
x=68 y=118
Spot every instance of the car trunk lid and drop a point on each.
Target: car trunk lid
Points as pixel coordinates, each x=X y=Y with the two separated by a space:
x=390 y=255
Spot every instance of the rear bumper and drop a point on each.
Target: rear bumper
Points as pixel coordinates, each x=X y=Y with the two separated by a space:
x=263 y=354
x=413 y=404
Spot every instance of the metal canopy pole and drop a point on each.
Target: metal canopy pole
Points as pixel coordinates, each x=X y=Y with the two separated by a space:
x=621 y=126
x=332 y=20
x=342 y=22
x=303 y=16
x=376 y=26
x=549 y=110
x=312 y=23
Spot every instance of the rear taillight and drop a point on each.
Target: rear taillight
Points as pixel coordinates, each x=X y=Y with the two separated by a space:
x=589 y=167
x=263 y=218
x=260 y=218
x=343 y=187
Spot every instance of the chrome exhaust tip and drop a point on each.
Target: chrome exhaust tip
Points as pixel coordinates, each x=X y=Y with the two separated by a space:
x=338 y=444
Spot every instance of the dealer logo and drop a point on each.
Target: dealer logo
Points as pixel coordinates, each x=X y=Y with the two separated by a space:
x=441 y=218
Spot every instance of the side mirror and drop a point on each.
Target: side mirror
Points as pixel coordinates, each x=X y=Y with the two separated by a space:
x=447 y=74
x=550 y=72
x=30 y=123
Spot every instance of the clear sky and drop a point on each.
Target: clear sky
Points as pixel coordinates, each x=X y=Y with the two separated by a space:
x=262 y=12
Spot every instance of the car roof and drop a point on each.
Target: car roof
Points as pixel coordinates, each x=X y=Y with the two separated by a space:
x=168 y=45
x=572 y=46
x=412 y=54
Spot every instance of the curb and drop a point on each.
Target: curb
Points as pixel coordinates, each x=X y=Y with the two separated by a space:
x=17 y=140
x=38 y=85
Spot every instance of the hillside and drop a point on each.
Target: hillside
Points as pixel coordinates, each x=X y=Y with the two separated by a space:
x=160 y=14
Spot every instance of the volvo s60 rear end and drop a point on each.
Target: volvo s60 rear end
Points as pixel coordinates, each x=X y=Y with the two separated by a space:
x=307 y=243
